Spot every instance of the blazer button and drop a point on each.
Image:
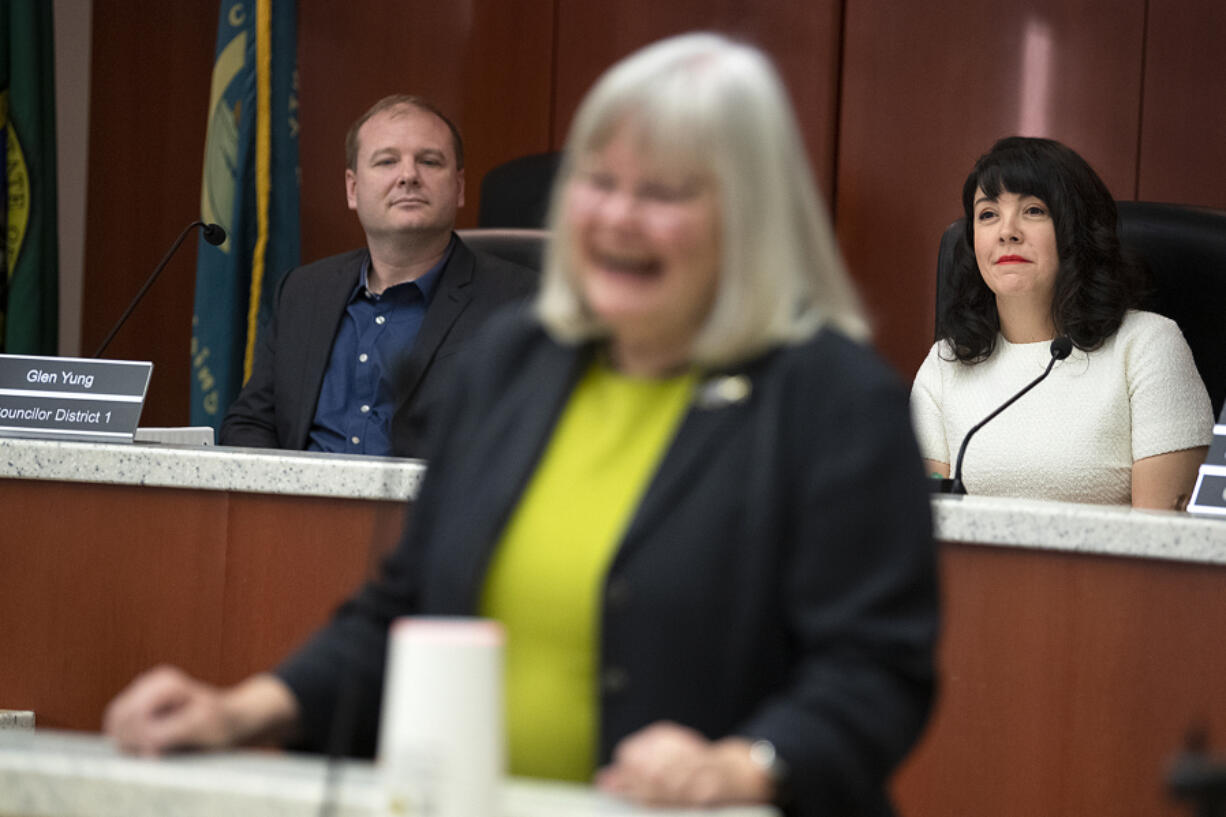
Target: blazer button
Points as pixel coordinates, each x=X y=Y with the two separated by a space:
x=617 y=593
x=614 y=680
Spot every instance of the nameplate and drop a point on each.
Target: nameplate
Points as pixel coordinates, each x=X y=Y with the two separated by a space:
x=70 y=398
x=1209 y=495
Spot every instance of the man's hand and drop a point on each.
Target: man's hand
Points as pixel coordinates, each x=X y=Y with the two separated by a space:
x=165 y=709
x=671 y=765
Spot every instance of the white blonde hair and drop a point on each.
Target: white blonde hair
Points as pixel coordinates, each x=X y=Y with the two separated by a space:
x=720 y=107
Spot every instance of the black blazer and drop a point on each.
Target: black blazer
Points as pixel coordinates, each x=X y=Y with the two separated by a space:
x=777 y=580
x=276 y=408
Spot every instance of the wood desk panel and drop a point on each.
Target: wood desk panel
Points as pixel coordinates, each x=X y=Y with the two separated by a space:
x=290 y=561
x=103 y=581
x=1068 y=683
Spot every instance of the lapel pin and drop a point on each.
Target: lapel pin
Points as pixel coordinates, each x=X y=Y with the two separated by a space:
x=726 y=390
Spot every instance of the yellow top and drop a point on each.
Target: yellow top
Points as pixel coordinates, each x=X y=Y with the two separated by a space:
x=547 y=574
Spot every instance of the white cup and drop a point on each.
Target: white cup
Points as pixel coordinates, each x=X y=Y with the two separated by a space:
x=441 y=738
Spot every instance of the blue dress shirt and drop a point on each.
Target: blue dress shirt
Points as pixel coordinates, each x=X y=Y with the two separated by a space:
x=358 y=396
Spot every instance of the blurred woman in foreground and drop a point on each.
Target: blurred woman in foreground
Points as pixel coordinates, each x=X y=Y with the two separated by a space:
x=1126 y=418
x=690 y=495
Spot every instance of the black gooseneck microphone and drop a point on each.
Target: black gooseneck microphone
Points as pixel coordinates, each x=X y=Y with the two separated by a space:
x=1061 y=348
x=213 y=233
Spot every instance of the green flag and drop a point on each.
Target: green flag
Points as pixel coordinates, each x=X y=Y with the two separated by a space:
x=249 y=187
x=29 y=283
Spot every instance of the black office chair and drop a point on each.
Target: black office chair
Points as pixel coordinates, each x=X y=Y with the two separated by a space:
x=523 y=247
x=516 y=193
x=1184 y=251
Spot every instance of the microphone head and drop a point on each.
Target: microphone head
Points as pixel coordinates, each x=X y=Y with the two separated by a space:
x=1061 y=348
x=215 y=234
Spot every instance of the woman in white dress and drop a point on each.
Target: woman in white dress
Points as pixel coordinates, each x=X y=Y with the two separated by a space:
x=1125 y=418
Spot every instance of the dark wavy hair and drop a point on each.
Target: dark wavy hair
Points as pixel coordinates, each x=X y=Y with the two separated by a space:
x=1096 y=282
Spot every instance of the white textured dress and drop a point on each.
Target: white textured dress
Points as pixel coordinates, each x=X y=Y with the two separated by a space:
x=1075 y=436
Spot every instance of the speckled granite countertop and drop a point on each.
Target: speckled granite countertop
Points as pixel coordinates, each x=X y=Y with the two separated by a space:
x=255 y=470
x=61 y=774
x=983 y=520
x=1102 y=529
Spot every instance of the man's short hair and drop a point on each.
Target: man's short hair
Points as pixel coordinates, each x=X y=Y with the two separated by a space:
x=399 y=101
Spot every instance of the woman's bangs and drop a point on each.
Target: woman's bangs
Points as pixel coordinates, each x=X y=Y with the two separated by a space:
x=1017 y=175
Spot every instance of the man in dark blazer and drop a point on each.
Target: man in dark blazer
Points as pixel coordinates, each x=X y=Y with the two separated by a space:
x=362 y=344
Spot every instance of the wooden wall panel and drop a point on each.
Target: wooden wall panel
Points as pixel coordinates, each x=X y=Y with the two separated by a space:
x=927 y=88
x=485 y=62
x=802 y=38
x=151 y=68
x=896 y=102
x=1068 y=684
x=1183 y=129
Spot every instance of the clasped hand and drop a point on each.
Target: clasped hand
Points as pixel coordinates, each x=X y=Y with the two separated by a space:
x=667 y=764
x=165 y=709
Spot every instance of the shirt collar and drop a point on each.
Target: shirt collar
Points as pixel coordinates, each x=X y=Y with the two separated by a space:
x=427 y=282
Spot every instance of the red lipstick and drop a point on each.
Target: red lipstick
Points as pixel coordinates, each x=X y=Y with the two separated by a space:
x=1011 y=259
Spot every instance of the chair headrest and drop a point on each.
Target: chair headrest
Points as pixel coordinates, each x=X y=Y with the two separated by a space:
x=516 y=193
x=523 y=247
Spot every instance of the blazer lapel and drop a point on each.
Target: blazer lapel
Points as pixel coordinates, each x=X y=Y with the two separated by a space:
x=720 y=402
x=318 y=334
x=510 y=451
x=452 y=296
